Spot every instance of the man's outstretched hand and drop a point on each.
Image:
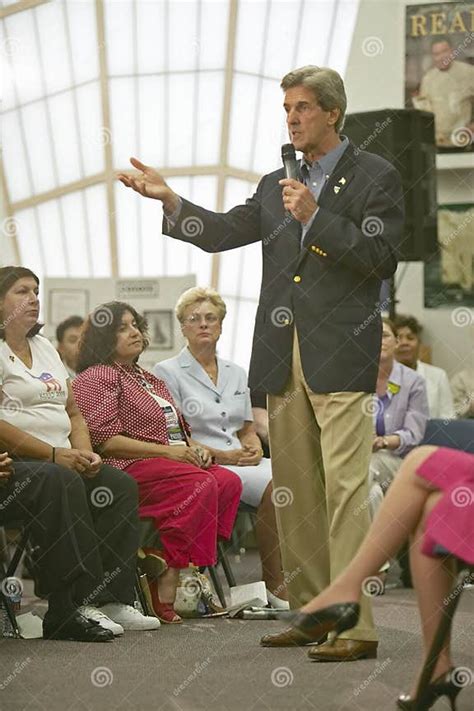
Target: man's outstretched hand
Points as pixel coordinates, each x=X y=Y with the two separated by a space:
x=149 y=183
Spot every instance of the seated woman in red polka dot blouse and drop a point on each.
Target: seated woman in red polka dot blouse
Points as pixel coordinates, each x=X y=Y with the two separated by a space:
x=135 y=425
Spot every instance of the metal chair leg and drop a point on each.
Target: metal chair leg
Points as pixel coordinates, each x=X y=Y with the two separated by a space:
x=224 y=561
x=141 y=595
x=20 y=549
x=7 y=605
x=441 y=633
x=217 y=584
x=10 y=573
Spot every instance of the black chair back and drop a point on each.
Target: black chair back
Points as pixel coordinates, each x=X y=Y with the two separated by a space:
x=455 y=434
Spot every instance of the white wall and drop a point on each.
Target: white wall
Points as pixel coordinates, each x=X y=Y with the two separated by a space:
x=65 y=297
x=375 y=79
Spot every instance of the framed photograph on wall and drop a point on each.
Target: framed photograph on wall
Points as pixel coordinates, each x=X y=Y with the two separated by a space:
x=160 y=327
x=63 y=303
x=439 y=69
x=449 y=278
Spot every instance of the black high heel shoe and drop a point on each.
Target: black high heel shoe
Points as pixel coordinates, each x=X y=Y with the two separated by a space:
x=444 y=685
x=314 y=626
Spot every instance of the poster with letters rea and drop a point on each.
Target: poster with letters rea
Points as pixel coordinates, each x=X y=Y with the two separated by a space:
x=439 y=69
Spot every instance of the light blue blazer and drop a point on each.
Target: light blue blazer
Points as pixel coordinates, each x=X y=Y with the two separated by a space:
x=215 y=413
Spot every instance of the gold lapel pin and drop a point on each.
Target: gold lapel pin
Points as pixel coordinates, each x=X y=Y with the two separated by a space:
x=343 y=181
x=336 y=189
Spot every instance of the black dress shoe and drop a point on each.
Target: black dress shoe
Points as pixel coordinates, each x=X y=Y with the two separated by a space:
x=75 y=627
x=314 y=626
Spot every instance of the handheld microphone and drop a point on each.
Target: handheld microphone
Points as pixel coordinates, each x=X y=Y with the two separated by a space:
x=288 y=157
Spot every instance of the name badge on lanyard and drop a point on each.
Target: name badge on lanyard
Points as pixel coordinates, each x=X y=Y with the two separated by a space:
x=172 y=425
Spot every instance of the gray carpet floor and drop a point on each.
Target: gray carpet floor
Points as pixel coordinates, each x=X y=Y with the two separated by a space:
x=218 y=665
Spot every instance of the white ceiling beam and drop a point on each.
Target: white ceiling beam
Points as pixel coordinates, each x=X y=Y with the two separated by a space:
x=226 y=114
x=189 y=170
x=106 y=132
x=59 y=192
x=9 y=223
x=20 y=7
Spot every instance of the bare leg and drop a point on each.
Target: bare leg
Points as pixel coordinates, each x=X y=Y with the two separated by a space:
x=269 y=546
x=398 y=517
x=167 y=584
x=433 y=580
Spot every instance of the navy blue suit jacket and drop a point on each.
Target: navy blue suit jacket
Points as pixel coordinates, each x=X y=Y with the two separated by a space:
x=329 y=288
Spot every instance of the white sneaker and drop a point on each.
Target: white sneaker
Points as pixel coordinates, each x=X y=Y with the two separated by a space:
x=129 y=617
x=93 y=613
x=276 y=602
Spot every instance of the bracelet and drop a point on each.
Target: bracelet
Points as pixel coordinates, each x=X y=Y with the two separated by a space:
x=53 y=456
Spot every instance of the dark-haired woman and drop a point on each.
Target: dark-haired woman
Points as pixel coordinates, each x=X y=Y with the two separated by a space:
x=136 y=426
x=440 y=398
x=82 y=514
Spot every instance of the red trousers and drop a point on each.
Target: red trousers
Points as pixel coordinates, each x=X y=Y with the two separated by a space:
x=190 y=507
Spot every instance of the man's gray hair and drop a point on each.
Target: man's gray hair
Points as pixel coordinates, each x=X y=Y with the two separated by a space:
x=326 y=85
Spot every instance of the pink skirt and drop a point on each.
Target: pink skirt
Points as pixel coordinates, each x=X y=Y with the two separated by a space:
x=450 y=525
x=191 y=508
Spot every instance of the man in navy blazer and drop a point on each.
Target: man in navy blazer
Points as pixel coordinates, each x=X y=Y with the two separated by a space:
x=328 y=241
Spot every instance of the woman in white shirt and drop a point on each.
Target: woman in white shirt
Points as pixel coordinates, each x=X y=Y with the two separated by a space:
x=82 y=514
x=214 y=398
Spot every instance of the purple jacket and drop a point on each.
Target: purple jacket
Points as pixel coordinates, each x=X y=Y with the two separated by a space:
x=407 y=411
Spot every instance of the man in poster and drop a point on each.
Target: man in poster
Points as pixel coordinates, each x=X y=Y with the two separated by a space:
x=447 y=90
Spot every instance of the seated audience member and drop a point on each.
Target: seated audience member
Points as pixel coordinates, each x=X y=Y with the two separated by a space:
x=68 y=334
x=419 y=505
x=260 y=419
x=136 y=426
x=83 y=514
x=401 y=413
x=440 y=399
x=462 y=385
x=214 y=398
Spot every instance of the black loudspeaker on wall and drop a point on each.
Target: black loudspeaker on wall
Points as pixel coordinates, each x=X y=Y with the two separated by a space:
x=405 y=137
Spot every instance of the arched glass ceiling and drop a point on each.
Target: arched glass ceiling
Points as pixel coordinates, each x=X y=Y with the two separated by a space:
x=190 y=86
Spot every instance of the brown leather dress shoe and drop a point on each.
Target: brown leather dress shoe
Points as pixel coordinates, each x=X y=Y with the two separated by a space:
x=314 y=626
x=343 y=650
x=291 y=637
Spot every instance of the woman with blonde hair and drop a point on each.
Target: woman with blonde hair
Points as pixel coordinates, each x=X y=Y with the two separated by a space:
x=213 y=396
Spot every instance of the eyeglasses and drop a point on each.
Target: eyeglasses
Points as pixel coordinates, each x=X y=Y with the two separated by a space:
x=210 y=319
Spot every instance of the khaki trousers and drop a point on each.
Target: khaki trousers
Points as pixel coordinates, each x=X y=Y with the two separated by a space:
x=320 y=451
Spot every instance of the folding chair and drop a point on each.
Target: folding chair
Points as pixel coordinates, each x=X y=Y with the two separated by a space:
x=455 y=434
x=150 y=537
x=8 y=570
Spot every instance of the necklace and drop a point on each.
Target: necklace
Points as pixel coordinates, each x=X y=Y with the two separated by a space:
x=211 y=371
x=212 y=374
x=137 y=374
